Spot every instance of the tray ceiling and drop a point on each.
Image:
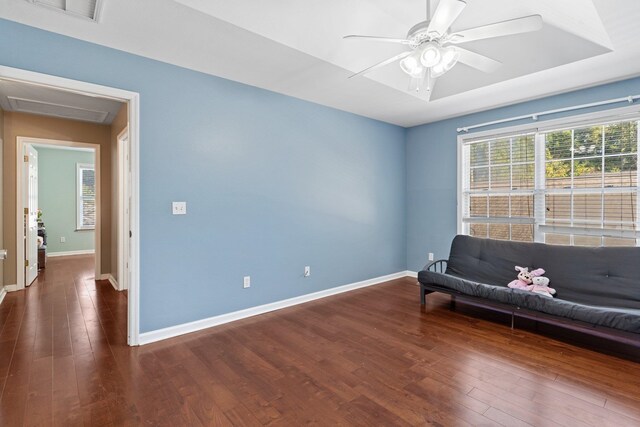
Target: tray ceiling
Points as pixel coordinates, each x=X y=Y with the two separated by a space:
x=296 y=48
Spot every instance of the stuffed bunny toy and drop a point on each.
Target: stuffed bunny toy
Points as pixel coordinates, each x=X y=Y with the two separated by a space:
x=540 y=286
x=523 y=280
x=525 y=277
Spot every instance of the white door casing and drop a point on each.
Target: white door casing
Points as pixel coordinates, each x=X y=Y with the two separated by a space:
x=31 y=214
x=133 y=107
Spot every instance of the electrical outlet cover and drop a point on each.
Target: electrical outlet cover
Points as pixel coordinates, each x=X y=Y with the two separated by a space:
x=179 y=208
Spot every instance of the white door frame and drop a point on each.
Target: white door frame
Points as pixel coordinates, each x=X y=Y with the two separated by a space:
x=133 y=103
x=21 y=142
x=123 y=207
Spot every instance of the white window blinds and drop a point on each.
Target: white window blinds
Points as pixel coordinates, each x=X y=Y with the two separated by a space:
x=499 y=187
x=591 y=185
x=576 y=186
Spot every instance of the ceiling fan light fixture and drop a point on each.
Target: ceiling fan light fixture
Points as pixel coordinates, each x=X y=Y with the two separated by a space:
x=412 y=66
x=430 y=55
x=450 y=56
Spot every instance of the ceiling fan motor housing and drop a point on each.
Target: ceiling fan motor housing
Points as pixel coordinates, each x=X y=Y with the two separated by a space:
x=419 y=34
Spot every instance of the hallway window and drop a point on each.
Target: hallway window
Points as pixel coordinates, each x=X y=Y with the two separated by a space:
x=86 y=182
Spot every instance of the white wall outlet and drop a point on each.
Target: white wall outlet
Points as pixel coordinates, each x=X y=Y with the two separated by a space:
x=63 y=240
x=179 y=208
x=247 y=282
x=307 y=271
x=430 y=256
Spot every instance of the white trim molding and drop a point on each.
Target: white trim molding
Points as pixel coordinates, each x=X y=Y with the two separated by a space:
x=11 y=288
x=71 y=253
x=111 y=280
x=3 y=293
x=186 y=328
x=413 y=274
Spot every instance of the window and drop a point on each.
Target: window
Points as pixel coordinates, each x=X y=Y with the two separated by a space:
x=571 y=186
x=86 y=199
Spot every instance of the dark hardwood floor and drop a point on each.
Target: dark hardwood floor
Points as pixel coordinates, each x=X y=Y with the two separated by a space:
x=370 y=357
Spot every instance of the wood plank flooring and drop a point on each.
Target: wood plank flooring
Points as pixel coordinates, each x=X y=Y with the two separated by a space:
x=371 y=357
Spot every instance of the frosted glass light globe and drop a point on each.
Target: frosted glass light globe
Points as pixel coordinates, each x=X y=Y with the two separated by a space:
x=430 y=55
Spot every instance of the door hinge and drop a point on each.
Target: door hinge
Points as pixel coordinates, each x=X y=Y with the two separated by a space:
x=26 y=263
x=26 y=211
x=26 y=159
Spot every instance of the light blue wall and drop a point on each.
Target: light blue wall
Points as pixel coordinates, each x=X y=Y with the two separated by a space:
x=272 y=183
x=57 y=198
x=432 y=161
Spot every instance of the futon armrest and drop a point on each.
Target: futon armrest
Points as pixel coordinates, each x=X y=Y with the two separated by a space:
x=439 y=266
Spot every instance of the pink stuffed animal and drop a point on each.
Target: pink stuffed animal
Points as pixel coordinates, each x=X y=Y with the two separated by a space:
x=540 y=286
x=525 y=278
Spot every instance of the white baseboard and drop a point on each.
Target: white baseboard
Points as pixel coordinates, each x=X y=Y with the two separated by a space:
x=114 y=283
x=70 y=253
x=412 y=274
x=11 y=288
x=3 y=292
x=185 y=328
x=111 y=280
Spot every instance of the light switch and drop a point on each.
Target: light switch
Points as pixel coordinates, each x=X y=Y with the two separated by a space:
x=179 y=208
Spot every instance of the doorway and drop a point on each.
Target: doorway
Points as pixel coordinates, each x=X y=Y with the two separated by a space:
x=72 y=206
x=131 y=99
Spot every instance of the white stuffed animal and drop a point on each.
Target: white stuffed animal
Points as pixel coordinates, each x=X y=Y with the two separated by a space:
x=540 y=286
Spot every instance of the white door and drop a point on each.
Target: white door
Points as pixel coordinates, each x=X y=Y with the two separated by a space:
x=31 y=215
x=124 y=202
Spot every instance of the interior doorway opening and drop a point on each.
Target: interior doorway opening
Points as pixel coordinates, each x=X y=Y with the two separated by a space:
x=69 y=201
x=127 y=220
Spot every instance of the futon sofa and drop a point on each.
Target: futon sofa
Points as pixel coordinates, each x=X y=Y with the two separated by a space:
x=598 y=289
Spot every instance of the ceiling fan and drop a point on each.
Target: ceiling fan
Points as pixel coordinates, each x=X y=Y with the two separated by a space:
x=433 y=49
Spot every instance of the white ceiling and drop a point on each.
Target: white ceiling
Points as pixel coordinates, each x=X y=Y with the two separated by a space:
x=34 y=99
x=295 y=47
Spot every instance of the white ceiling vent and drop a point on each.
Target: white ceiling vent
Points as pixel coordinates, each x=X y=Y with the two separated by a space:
x=89 y=9
x=57 y=110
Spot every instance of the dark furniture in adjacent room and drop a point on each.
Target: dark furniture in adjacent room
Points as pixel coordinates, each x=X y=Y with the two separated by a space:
x=42 y=250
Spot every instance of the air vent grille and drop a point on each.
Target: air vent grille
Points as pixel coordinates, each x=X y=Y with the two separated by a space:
x=56 y=110
x=89 y=9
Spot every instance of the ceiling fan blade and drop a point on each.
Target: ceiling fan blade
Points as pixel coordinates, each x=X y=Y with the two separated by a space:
x=505 y=28
x=377 y=39
x=383 y=63
x=445 y=15
x=480 y=62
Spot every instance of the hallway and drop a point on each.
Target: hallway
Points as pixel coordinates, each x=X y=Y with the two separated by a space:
x=59 y=341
